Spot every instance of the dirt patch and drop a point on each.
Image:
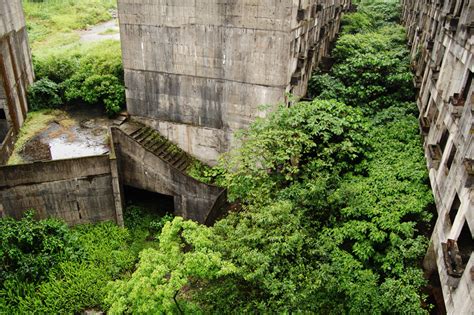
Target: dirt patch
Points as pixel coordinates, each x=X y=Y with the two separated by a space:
x=35 y=150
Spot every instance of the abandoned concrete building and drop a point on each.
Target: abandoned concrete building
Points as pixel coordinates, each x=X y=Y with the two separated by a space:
x=221 y=62
x=441 y=35
x=16 y=73
x=199 y=70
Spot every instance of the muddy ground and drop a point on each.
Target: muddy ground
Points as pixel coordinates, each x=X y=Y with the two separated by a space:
x=77 y=132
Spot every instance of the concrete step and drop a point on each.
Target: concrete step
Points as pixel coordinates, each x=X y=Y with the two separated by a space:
x=153 y=141
x=144 y=135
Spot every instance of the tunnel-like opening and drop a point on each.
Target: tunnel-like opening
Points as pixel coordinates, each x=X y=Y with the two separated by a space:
x=465 y=243
x=146 y=212
x=154 y=203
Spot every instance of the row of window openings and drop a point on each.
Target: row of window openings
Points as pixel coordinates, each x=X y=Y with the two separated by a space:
x=438 y=151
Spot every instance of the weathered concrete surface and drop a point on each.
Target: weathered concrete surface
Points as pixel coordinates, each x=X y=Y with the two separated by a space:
x=441 y=37
x=77 y=190
x=7 y=146
x=16 y=71
x=160 y=171
x=198 y=70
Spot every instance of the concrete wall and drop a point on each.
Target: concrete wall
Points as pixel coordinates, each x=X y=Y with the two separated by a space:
x=77 y=190
x=7 y=146
x=141 y=168
x=16 y=71
x=199 y=70
x=441 y=35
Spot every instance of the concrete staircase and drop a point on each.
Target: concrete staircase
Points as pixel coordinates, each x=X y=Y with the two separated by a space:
x=159 y=145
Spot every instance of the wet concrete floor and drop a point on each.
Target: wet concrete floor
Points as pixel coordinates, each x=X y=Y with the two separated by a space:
x=80 y=131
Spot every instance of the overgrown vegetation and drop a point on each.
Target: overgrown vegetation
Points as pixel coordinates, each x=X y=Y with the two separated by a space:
x=53 y=23
x=334 y=200
x=49 y=268
x=68 y=71
x=91 y=75
x=334 y=204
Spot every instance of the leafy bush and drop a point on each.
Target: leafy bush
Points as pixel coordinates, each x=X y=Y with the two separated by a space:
x=77 y=278
x=98 y=89
x=154 y=287
x=326 y=87
x=371 y=72
x=30 y=248
x=44 y=93
x=93 y=76
x=375 y=81
x=356 y=22
x=327 y=135
x=57 y=68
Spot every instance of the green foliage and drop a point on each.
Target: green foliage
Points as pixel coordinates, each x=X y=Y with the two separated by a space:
x=93 y=76
x=64 y=270
x=161 y=274
x=30 y=248
x=371 y=14
x=99 y=89
x=334 y=202
x=325 y=86
x=356 y=22
x=372 y=67
x=47 y=18
x=43 y=94
x=382 y=12
x=375 y=81
x=388 y=39
x=327 y=135
x=137 y=219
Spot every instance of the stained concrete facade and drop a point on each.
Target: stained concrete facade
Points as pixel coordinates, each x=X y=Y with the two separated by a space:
x=78 y=191
x=197 y=71
x=16 y=73
x=441 y=35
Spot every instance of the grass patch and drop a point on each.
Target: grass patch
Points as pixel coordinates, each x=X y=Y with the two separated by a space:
x=52 y=23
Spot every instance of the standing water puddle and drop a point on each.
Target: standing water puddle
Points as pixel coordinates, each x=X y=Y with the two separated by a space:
x=79 y=132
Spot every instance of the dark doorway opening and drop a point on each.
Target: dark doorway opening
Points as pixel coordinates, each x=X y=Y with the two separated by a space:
x=465 y=243
x=453 y=212
x=154 y=203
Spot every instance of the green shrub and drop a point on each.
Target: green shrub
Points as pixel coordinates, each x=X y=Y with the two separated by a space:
x=44 y=93
x=72 y=288
x=30 y=248
x=92 y=76
x=356 y=23
x=57 y=68
x=325 y=86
